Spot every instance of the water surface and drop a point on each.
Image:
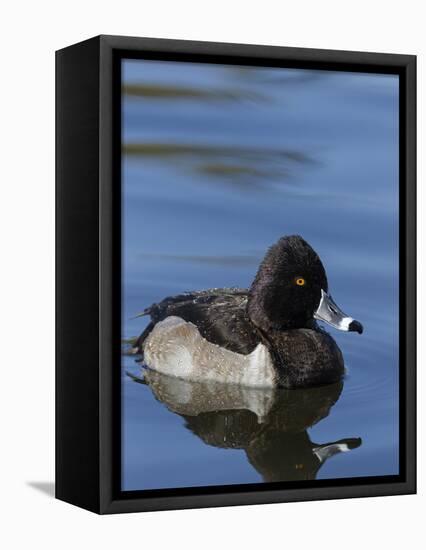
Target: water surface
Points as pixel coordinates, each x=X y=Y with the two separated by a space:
x=218 y=163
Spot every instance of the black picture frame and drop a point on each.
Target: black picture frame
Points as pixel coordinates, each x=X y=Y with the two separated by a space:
x=88 y=208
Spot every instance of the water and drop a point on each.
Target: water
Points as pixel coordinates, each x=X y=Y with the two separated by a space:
x=218 y=163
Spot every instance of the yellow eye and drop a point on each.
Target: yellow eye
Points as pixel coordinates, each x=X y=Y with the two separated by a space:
x=300 y=281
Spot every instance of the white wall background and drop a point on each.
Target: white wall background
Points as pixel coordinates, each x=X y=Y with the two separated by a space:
x=30 y=32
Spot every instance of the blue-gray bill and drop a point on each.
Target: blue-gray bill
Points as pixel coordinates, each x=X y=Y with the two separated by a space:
x=329 y=312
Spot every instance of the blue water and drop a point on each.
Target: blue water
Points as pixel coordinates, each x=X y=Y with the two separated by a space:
x=219 y=163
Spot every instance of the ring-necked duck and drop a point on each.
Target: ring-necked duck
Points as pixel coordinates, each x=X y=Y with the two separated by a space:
x=264 y=336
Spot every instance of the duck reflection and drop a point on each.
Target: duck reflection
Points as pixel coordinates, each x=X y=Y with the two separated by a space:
x=270 y=425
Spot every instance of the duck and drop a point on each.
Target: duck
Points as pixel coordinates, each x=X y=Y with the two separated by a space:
x=267 y=335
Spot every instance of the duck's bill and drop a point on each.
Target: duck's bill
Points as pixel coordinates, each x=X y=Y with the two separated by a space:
x=330 y=313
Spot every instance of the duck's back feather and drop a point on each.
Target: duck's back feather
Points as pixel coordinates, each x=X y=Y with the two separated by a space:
x=219 y=314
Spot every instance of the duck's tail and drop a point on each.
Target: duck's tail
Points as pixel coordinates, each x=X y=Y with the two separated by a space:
x=138 y=344
x=146 y=311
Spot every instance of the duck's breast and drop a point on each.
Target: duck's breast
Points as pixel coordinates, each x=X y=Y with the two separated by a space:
x=175 y=347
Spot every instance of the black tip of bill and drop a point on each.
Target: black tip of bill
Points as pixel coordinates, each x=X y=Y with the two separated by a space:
x=355 y=326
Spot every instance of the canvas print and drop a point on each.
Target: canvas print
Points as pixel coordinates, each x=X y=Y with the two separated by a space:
x=260 y=254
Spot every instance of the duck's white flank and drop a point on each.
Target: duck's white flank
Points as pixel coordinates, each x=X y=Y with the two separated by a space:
x=176 y=347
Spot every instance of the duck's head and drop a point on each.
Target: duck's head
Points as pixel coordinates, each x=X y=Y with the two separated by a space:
x=290 y=290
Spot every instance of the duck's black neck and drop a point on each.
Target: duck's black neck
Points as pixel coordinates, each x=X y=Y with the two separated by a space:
x=269 y=323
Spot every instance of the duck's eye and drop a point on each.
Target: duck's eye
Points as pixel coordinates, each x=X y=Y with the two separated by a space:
x=300 y=281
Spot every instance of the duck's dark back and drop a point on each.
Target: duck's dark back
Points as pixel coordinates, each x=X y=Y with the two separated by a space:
x=220 y=315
